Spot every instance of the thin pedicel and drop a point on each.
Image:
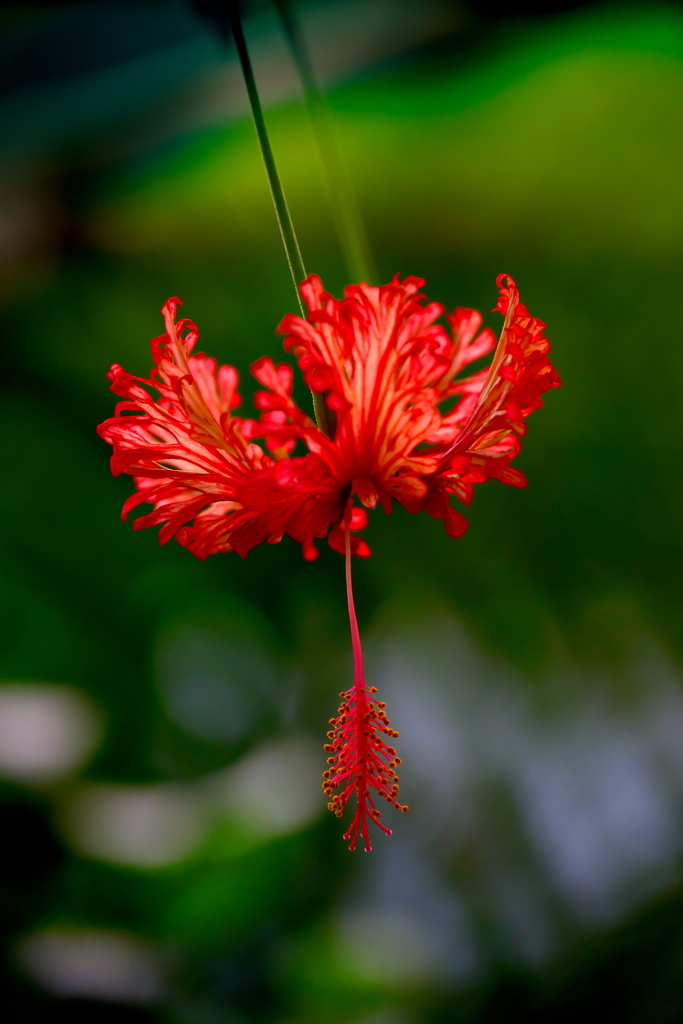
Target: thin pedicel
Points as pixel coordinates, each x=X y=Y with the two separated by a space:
x=284 y=219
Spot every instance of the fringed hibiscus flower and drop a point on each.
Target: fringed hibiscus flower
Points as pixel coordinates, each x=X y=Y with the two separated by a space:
x=385 y=367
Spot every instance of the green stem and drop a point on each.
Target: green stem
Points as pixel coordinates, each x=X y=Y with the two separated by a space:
x=360 y=265
x=289 y=239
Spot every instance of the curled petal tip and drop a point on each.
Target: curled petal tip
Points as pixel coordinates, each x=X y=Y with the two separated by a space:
x=171 y=306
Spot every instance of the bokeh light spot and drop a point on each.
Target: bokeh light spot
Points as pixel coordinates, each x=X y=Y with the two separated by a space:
x=93 y=964
x=46 y=731
x=142 y=826
x=275 y=789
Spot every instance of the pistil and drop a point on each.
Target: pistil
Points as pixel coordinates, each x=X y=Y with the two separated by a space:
x=360 y=759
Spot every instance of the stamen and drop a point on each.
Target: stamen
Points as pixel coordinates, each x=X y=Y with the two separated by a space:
x=361 y=760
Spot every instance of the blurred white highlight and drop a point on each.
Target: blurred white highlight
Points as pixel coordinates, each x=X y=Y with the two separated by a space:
x=590 y=778
x=46 y=731
x=575 y=801
x=275 y=789
x=93 y=964
x=142 y=826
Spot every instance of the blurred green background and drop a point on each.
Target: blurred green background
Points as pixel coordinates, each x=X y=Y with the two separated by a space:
x=166 y=851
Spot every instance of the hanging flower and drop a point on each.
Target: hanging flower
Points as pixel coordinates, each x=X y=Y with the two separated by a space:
x=386 y=368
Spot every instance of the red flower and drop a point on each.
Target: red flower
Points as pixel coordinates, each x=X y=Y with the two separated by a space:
x=385 y=367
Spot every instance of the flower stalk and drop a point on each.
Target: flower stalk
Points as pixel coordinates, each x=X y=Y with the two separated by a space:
x=284 y=219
